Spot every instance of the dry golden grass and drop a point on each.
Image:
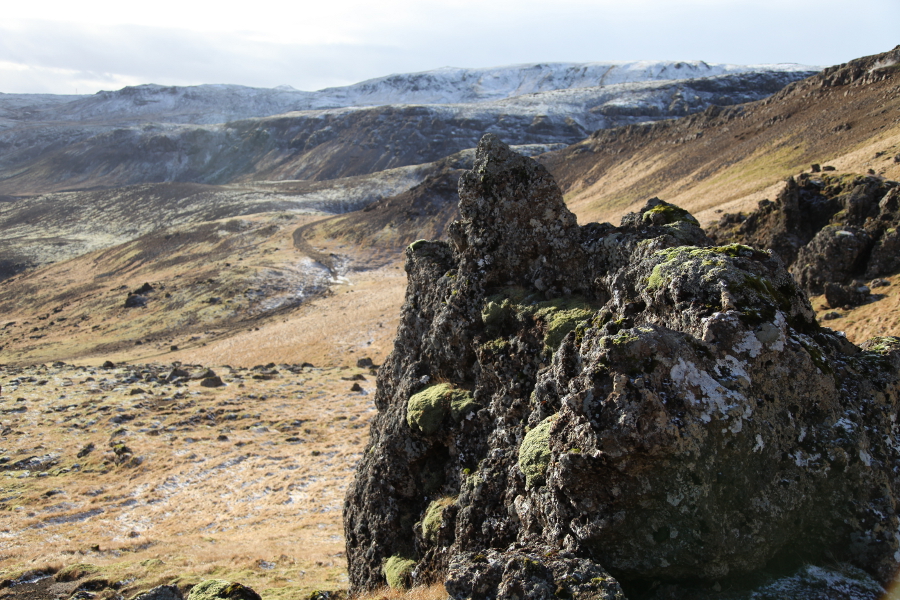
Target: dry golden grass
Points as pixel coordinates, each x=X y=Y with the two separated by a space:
x=358 y=320
x=244 y=482
x=878 y=318
x=226 y=293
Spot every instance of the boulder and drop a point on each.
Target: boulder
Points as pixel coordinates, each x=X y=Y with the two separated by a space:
x=834 y=255
x=643 y=409
x=135 y=301
x=220 y=589
x=162 y=592
x=212 y=382
x=885 y=258
x=827 y=228
x=839 y=296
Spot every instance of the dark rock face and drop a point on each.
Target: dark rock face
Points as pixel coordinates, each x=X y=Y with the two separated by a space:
x=643 y=403
x=827 y=229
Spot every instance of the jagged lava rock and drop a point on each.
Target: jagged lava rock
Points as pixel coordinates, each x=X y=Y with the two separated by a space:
x=643 y=404
x=827 y=228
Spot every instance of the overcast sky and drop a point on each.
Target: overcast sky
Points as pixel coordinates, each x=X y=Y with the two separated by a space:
x=61 y=46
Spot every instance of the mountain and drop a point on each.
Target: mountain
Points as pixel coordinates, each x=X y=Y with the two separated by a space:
x=227 y=134
x=209 y=104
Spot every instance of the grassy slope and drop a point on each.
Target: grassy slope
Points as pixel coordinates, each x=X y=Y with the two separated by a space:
x=233 y=291
x=730 y=159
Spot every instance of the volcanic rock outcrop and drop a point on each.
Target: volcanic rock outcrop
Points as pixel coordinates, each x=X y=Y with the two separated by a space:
x=829 y=229
x=586 y=411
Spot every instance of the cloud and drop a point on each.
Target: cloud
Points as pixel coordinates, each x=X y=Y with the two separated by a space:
x=338 y=42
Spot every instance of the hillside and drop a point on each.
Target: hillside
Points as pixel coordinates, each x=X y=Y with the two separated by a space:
x=727 y=159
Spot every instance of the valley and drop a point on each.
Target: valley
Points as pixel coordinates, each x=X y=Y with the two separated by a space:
x=263 y=233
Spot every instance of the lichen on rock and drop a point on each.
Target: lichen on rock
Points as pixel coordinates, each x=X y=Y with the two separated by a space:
x=642 y=402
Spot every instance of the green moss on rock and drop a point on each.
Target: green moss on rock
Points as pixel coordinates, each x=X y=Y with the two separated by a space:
x=558 y=316
x=560 y=322
x=426 y=410
x=220 y=589
x=434 y=516
x=397 y=572
x=666 y=214
x=534 y=453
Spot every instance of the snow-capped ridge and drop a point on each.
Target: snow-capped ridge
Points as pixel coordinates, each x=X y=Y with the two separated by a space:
x=220 y=103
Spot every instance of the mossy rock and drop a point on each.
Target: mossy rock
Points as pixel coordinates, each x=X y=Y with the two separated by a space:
x=434 y=516
x=560 y=316
x=416 y=245
x=534 y=453
x=713 y=261
x=397 y=572
x=427 y=409
x=496 y=312
x=560 y=322
x=667 y=214
x=220 y=589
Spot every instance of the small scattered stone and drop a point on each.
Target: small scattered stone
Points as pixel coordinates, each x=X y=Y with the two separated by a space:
x=204 y=374
x=356 y=388
x=830 y=316
x=86 y=450
x=365 y=363
x=135 y=301
x=212 y=382
x=163 y=592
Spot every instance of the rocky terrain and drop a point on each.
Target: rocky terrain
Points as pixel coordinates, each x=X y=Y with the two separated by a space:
x=117 y=478
x=832 y=231
x=508 y=373
x=598 y=411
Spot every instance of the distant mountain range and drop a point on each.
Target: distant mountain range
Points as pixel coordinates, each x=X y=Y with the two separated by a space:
x=223 y=133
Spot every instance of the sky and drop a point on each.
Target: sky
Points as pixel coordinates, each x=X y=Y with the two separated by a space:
x=66 y=47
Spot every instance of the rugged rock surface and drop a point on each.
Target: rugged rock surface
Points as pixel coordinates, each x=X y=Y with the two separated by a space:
x=828 y=229
x=645 y=407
